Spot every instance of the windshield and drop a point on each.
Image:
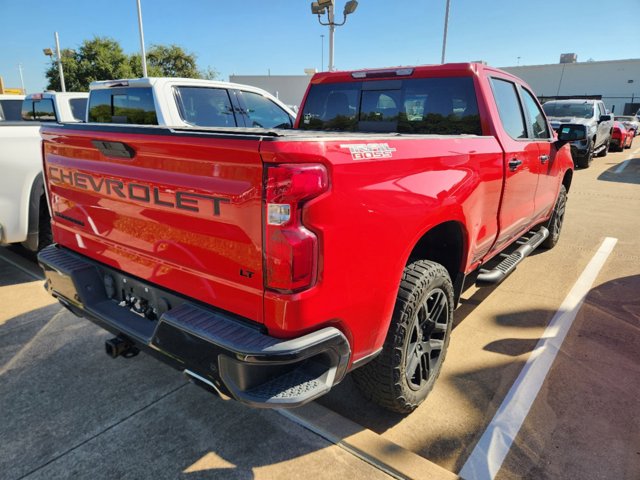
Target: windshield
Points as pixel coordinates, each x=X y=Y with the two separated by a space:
x=560 y=109
x=422 y=105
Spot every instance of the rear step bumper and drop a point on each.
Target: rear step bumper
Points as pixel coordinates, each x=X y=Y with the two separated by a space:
x=228 y=352
x=508 y=265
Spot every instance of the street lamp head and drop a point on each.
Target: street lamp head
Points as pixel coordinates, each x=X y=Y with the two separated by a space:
x=48 y=52
x=325 y=3
x=316 y=9
x=350 y=7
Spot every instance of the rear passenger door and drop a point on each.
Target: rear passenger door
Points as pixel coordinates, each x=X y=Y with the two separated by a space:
x=522 y=163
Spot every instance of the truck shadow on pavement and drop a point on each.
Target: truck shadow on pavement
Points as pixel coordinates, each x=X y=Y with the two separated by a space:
x=69 y=411
x=609 y=321
x=630 y=174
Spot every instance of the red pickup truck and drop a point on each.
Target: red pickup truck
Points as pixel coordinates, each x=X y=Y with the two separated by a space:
x=266 y=264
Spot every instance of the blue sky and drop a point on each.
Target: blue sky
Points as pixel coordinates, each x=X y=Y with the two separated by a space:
x=251 y=37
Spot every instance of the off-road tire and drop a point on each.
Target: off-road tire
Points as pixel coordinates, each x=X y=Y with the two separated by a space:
x=605 y=150
x=557 y=218
x=45 y=235
x=395 y=379
x=584 y=162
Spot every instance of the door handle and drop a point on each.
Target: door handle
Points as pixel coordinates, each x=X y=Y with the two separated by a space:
x=514 y=163
x=544 y=158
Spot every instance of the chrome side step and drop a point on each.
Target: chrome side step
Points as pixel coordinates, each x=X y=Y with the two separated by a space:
x=496 y=275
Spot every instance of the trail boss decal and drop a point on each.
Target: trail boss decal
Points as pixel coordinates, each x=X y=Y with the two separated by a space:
x=137 y=192
x=365 y=151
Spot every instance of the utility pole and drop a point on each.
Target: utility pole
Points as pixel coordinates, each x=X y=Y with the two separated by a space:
x=444 y=37
x=142 y=51
x=322 y=53
x=59 y=55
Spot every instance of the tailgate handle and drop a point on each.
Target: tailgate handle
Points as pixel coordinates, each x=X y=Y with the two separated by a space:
x=114 y=149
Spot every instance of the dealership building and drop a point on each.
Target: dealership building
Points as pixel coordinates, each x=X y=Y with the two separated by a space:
x=616 y=82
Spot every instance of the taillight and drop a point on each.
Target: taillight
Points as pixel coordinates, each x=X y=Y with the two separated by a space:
x=291 y=250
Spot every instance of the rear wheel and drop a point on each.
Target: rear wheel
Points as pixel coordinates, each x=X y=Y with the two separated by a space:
x=557 y=218
x=401 y=377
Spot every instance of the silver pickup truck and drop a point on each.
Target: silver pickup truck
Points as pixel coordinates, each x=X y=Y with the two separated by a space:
x=598 y=124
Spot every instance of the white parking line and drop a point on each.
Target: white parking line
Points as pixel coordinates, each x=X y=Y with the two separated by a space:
x=487 y=456
x=622 y=166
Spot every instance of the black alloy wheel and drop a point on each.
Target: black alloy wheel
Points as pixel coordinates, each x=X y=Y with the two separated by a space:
x=426 y=341
x=557 y=218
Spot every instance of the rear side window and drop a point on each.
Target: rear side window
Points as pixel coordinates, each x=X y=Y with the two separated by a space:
x=205 y=107
x=422 y=105
x=509 y=108
x=122 y=105
x=78 y=108
x=10 y=110
x=39 y=110
x=262 y=112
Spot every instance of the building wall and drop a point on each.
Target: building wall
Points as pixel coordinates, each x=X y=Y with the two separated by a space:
x=617 y=81
x=288 y=88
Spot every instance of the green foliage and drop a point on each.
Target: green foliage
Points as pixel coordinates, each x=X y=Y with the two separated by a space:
x=102 y=58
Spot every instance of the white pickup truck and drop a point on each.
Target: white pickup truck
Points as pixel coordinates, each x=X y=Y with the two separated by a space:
x=24 y=216
x=186 y=102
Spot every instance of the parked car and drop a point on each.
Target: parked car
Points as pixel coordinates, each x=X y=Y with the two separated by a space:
x=10 y=106
x=621 y=137
x=24 y=216
x=186 y=102
x=597 y=124
x=630 y=122
x=267 y=263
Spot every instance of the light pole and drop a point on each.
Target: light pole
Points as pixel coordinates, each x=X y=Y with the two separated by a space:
x=21 y=79
x=444 y=36
x=142 y=52
x=322 y=53
x=326 y=6
x=50 y=53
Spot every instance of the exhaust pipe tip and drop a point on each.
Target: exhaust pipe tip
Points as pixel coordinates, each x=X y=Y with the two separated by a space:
x=119 y=346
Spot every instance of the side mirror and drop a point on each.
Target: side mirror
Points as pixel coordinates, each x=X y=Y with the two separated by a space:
x=570 y=132
x=605 y=118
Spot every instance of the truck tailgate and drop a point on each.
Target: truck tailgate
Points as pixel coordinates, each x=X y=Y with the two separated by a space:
x=180 y=209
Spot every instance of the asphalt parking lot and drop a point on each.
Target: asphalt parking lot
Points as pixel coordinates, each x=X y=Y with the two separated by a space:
x=541 y=380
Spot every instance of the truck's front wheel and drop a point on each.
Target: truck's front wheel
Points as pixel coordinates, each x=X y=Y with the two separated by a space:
x=402 y=375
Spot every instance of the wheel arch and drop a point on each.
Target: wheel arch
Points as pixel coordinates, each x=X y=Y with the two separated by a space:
x=445 y=243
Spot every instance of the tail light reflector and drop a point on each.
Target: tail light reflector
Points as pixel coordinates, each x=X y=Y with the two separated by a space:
x=291 y=249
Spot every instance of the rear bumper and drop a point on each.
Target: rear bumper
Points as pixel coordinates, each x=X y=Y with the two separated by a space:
x=229 y=353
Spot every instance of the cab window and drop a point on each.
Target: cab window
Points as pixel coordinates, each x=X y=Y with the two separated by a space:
x=39 y=110
x=205 y=106
x=263 y=112
x=122 y=105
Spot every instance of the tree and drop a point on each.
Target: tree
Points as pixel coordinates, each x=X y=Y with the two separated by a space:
x=98 y=59
x=103 y=59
